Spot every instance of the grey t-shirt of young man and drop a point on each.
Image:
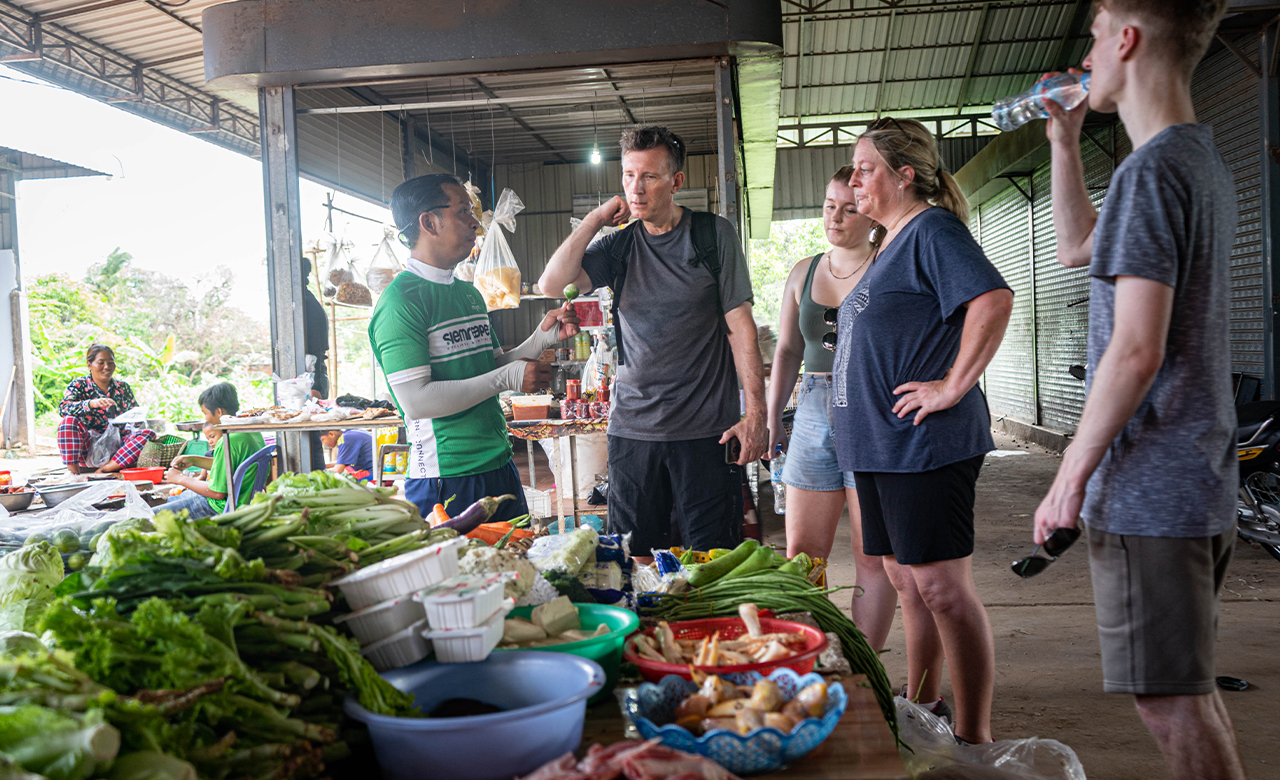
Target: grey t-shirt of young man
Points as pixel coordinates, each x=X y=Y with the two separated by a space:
x=1170 y=216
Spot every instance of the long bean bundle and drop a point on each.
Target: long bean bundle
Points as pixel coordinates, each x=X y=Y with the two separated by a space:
x=782 y=592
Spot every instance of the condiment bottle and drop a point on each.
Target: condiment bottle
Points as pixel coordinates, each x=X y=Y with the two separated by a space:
x=573 y=389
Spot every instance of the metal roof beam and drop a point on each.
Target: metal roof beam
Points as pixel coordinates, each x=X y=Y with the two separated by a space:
x=62 y=57
x=930 y=7
x=1079 y=24
x=926 y=47
x=921 y=78
x=973 y=59
x=513 y=116
x=622 y=101
x=83 y=9
x=884 y=63
x=560 y=99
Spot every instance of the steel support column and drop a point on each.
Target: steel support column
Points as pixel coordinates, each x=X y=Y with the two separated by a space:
x=1269 y=105
x=726 y=146
x=279 y=138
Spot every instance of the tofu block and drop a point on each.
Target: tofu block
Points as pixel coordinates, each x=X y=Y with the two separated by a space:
x=518 y=630
x=556 y=617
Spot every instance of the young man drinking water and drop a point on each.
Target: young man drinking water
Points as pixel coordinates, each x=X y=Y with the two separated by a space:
x=1152 y=467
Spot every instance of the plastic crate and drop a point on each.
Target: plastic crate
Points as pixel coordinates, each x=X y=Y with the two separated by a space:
x=539 y=502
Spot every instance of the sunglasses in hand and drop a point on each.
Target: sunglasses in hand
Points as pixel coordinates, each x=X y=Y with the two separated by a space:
x=1058 y=543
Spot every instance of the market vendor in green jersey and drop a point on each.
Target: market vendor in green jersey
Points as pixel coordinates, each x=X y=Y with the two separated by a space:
x=430 y=333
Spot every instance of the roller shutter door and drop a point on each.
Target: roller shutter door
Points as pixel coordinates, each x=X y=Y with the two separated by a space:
x=1009 y=382
x=1226 y=97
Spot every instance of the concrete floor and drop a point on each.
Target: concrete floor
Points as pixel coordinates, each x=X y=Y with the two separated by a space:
x=1048 y=674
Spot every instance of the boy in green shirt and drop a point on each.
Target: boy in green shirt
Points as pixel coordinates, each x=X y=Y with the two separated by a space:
x=206 y=499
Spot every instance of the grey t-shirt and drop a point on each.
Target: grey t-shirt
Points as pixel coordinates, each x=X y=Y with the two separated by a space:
x=901 y=324
x=1170 y=216
x=679 y=382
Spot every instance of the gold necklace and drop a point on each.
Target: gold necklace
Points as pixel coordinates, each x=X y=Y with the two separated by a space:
x=865 y=260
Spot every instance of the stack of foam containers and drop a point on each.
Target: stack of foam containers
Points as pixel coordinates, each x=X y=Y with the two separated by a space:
x=386 y=620
x=465 y=616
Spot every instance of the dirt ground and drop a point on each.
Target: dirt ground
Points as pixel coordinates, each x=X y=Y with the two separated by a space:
x=1048 y=673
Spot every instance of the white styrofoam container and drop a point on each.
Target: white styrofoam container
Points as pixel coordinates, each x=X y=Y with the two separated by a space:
x=400 y=649
x=382 y=619
x=401 y=575
x=464 y=601
x=463 y=645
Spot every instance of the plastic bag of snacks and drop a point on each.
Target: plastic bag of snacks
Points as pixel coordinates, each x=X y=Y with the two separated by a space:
x=385 y=266
x=337 y=265
x=497 y=275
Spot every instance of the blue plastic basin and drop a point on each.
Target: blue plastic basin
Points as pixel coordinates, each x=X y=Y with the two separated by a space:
x=544 y=696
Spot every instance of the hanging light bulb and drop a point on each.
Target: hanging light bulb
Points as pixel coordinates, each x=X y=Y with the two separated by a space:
x=595 y=155
x=595 y=137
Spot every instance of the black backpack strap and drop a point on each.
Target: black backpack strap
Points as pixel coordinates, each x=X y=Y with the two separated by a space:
x=619 y=253
x=706 y=253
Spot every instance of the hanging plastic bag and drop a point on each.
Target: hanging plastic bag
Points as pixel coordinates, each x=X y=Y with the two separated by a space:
x=477 y=208
x=293 y=393
x=385 y=266
x=102 y=446
x=337 y=267
x=497 y=275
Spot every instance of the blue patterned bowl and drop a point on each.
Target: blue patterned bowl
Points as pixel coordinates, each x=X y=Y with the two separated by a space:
x=763 y=750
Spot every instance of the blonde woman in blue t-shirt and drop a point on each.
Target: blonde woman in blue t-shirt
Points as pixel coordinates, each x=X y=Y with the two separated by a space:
x=817 y=490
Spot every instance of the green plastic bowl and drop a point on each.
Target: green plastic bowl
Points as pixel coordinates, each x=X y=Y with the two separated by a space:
x=605 y=650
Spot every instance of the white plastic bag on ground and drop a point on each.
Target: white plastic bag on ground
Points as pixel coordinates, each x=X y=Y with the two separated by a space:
x=497 y=274
x=102 y=446
x=937 y=756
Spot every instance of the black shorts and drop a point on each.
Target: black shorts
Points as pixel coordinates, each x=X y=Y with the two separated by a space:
x=657 y=485
x=922 y=517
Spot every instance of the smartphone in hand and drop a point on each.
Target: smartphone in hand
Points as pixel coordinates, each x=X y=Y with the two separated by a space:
x=732 y=451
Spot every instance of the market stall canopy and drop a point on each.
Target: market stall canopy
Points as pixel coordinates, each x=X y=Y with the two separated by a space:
x=30 y=166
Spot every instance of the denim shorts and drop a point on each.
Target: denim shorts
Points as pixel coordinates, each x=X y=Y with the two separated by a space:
x=811 y=451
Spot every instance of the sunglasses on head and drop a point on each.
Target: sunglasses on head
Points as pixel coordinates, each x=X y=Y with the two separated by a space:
x=1058 y=543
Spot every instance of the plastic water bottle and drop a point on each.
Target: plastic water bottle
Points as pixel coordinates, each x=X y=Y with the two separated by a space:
x=1066 y=89
x=775 y=476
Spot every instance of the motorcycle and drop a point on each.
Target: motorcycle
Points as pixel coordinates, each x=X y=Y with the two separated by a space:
x=1258 y=450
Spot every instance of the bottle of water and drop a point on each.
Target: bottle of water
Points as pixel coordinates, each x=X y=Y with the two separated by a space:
x=1066 y=89
x=775 y=476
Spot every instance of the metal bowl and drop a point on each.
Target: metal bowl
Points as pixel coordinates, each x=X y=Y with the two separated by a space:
x=16 y=502
x=56 y=494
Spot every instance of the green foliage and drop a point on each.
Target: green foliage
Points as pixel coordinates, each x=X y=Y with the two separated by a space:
x=771 y=261
x=171 y=340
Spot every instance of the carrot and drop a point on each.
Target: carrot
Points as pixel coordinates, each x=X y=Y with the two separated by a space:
x=438 y=515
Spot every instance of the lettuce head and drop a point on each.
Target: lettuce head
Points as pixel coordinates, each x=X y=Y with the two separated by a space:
x=27 y=579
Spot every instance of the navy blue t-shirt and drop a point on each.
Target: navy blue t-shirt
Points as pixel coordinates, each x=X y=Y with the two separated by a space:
x=356 y=450
x=903 y=325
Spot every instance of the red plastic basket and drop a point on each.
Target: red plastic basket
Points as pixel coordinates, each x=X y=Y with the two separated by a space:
x=729 y=628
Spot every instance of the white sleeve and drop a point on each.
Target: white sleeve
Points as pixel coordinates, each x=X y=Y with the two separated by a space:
x=532 y=347
x=423 y=399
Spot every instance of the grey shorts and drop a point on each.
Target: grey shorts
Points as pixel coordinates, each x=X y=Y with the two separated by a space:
x=1157 y=604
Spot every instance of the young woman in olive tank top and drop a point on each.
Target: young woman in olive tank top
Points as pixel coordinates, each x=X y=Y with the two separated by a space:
x=817 y=491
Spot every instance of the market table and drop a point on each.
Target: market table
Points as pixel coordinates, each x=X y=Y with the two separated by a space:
x=861 y=747
x=307 y=427
x=535 y=430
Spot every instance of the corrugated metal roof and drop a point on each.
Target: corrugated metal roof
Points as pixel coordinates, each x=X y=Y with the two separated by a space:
x=851 y=59
x=34 y=166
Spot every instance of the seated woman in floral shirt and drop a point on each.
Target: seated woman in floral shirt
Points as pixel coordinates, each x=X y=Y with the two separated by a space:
x=87 y=405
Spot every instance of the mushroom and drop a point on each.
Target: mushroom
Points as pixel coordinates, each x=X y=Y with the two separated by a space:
x=750 y=615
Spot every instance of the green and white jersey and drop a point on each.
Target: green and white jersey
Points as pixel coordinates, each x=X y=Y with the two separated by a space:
x=427 y=325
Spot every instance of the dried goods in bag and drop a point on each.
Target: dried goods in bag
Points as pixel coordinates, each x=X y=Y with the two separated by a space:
x=385 y=266
x=338 y=263
x=354 y=294
x=497 y=275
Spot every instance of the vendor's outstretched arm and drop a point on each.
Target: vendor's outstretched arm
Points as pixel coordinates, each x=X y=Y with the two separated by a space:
x=421 y=398
x=558 y=325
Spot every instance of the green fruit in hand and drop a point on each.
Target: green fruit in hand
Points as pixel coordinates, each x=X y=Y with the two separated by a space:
x=571 y=291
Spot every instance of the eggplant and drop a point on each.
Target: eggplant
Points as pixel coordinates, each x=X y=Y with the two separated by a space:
x=475 y=515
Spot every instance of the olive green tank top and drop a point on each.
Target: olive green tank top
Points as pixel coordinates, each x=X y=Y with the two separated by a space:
x=817 y=358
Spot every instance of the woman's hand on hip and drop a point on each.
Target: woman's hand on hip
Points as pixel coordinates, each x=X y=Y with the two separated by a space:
x=923 y=398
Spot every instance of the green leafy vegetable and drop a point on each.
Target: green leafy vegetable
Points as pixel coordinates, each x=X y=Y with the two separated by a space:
x=27 y=579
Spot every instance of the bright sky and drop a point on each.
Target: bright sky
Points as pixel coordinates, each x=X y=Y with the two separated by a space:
x=178 y=204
